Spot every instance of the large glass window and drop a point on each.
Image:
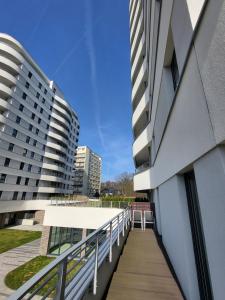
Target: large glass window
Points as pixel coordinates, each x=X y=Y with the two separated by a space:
x=63 y=238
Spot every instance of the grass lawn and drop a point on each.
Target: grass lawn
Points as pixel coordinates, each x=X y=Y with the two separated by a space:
x=11 y=238
x=20 y=275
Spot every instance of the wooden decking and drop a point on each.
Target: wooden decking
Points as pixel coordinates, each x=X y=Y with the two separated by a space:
x=142 y=271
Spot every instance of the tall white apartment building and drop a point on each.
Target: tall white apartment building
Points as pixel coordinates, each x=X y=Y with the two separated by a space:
x=87 y=178
x=38 y=129
x=178 y=102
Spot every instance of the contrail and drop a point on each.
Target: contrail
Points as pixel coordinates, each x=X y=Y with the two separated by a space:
x=43 y=13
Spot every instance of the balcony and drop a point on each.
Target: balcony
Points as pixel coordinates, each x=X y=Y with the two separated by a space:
x=142 y=180
x=138 y=58
x=141 y=108
x=143 y=274
x=133 y=8
x=139 y=30
x=135 y=20
x=139 y=84
x=84 y=270
x=143 y=140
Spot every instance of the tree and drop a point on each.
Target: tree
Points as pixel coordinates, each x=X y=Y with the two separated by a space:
x=124 y=183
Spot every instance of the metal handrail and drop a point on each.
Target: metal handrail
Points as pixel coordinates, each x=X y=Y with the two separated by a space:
x=88 y=255
x=98 y=204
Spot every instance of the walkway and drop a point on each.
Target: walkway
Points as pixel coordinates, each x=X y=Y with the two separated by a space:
x=12 y=259
x=142 y=272
x=36 y=227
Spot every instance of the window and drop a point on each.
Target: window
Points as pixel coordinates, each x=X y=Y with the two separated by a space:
x=49 y=117
x=33 y=116
x=30 y=127
x=7 y=161
x=2 y=178
x=29 y=168
x=18 y=119
x=39 y=121
x=11 y=146
x=50 y=108
x=43 y=100
x=34 y=195
x=174 y=70
x=14 y=133
x=15 y=195
x=34 y=143
x=21 y=107
x=37 y=182
x=24 y=152
x=21 y=165
x=41 y=110
x=47 y=126
x=35 y=105
x=23 y=196
x=27 y=85
x=24 y=96
x=54 y=90
x=38 y=95
x=43 y=148
x=40 y=85
x=45 y=91
x=32 y=155
x=46 y=136
x=26 y=181
x=0 y=194
x=29 y=74
x=18 y=180
x=28 y=140
x=53 y=99
x=37 y=130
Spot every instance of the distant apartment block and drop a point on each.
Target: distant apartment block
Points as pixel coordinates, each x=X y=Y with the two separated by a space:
x=178 y=103
x=87 y=176
x=38 y=129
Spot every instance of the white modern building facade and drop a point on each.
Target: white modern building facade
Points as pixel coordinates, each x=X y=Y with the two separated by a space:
x=178 y=102
x=38 y=130
x=87 y=172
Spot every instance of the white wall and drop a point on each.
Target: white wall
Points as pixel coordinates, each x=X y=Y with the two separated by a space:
x=210 y=179
x=176 y=234
x=20 y=205
x=79 y=217
x=189 y=132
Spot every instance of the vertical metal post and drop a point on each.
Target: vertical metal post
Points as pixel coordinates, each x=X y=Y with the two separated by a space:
x=96 y=267
x=60 y=288
x=110 y=242
x=123 y=223
x=126 y=218
x=118 y=231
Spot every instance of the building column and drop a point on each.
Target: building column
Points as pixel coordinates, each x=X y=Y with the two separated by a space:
x=45 y=240
x=39 y=216
x=210 y=180
x=2 y=220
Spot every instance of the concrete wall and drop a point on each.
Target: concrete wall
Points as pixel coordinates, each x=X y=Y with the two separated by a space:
x=78 y=217
x=19 y=205
x=189 y=133
x=176 y=234
x=210 y=179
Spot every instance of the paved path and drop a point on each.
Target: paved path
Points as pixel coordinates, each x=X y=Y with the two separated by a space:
x=142 y=272
x=36 y=227
x=12 y=259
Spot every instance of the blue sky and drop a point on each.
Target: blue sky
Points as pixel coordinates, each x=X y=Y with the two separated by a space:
x=83 y=45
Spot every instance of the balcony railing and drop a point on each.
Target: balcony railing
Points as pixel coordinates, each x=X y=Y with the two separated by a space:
x=71 y=274
x=95 y=203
